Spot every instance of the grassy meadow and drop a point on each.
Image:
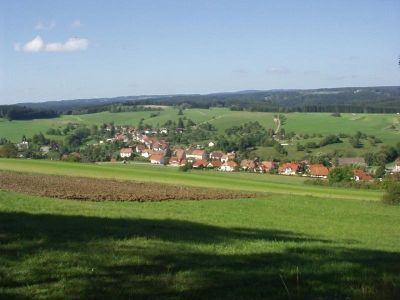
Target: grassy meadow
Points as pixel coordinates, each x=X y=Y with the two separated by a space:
x=276 y=247
x=386 y=127
x=263 y=183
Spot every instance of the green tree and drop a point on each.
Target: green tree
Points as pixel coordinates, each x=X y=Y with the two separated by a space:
x=8 y=150
x=180 y=123
x=392 y=195
x=94 y=130
x=340 y=174
x=380 y=172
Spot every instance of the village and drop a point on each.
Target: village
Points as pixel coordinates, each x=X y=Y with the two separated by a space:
x=150 y=145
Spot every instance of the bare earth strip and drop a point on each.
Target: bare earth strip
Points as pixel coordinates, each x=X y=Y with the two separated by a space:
x=81 y=188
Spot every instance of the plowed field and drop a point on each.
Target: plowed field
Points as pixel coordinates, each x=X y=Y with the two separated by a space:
x=66 y=187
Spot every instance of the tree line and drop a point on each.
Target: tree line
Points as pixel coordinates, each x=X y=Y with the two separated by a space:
x=16 y=112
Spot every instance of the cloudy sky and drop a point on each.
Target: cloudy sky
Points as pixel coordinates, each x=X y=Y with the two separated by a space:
x=53 y=50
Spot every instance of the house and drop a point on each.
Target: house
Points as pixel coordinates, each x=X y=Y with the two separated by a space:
x=216 y=155
x=147 y=153
x=361 y=175
x=228 y=156
x=157 y=159
x=121 y=138
x=211 y=144
x=224 y=158
x=265 y=166
x=215 y=164
x=396 y=168
x=140 y=148
x=352 y=161
x=174 y=161
x=158 y=146
x=229 y=166
x=125 y=152
x=164 y=131
x=45 y=149
x=179 y=153
x=23 y=145
x=289 y=168
x=202 y=163
x=196 y=154
x=231 y=155
x=318 y=171
x=247 y=165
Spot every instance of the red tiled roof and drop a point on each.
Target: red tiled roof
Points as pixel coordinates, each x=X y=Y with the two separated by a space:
x=267 y=164
x=215 y=163
x=292 y=166
x=174 y=160
x=318 y=170
x=198 y=152
x=231 y=164
x=362 y=175
x=247 y=163
x=157 y=157
x=200 y=163
x=126 y=150
x=218 y=154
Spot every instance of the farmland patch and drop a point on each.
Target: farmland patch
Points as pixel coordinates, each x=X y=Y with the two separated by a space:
x=66 y=187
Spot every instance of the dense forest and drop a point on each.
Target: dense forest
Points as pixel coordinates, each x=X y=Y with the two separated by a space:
x=336 y=100
x=357 y=100
x=16 y=112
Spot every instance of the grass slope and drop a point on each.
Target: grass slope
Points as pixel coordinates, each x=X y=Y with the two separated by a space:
x=145 y=172
x=228 y=249
x=222 y=118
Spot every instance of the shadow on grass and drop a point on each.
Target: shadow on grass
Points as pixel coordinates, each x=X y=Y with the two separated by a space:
x=54 y=256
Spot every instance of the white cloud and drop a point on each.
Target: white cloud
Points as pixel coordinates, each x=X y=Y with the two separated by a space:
x=45 y=25
x=37 y=45
x=72 y=44
x=34 y=45
x=76 y=24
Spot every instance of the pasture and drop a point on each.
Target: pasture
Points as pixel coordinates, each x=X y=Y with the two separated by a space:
x=277 y=247
x=292 y=242
x=263 y=183
x=386 y=127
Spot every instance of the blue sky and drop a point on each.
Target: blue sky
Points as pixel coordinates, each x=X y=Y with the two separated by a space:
x=53 y=50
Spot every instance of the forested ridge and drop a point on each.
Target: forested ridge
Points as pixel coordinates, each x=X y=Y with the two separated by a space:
x=337 y=100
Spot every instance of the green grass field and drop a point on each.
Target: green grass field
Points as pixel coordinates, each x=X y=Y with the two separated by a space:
x=145 y=172
x=277 y=247
x=222 y=118
x=296 y=242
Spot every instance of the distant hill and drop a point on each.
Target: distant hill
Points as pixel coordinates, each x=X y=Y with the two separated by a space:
x=347 y=99
x=66 y=105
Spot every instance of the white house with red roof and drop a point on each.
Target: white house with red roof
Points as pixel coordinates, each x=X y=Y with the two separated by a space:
x=196 y=154
x=229 y=166
x=201 y=163
x=289 y=168
x=157 y=159
x=125 y=152
x=318 y=171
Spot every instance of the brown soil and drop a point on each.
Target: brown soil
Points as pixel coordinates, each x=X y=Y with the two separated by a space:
x=81 y=188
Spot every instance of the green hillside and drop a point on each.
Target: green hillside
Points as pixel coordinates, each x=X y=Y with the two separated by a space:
x=386 y=127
